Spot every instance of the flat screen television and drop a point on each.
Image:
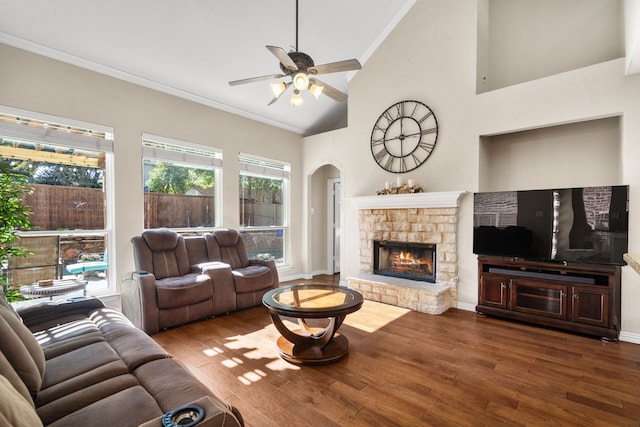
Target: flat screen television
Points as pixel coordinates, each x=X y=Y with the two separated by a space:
x=566 y=225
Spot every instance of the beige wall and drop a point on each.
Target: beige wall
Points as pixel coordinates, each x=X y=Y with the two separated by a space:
x=525 y=42
x=35 y=83
x=539 y=157
x=431 y=57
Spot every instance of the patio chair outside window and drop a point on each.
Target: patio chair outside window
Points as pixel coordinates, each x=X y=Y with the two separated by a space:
x=85 y=267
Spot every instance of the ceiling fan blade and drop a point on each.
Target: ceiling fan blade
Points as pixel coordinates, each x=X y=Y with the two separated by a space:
x=332 y=92
x=283 y=57
x=334 y=67
x=255 y=79
x=275 y=98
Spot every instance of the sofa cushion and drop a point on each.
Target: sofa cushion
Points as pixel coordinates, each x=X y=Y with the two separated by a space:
x=132 y=346
x=232 y=249
x=12 y=376
x=183 y=290
x=79 y=361
x=5 y=304
x=81 y=381
x=161 y=252
x=170 y=383
x=45 y=315
x=25 y=335
x=161 y=239
x=165 y=264
x=196 y=249
x=252 y=278
x=116 y=401
x=67 y=336
x=15 y=410
x=22 y=351
x=131 y=406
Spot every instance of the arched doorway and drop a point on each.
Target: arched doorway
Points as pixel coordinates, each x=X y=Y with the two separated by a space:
x=325 y=220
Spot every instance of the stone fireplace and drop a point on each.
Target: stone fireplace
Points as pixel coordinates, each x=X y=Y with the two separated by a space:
x=423 y=220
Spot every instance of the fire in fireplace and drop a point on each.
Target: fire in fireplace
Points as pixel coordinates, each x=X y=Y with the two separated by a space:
x=415 y=261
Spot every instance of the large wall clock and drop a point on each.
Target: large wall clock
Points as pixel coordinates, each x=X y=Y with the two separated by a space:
x=404 y=136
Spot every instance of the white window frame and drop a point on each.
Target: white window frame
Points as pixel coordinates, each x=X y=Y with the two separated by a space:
x=262 y=167
x=192 y=155
x=93 y=143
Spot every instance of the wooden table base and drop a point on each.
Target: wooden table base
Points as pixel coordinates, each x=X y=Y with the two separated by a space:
x=309 y=344
x=335 y=350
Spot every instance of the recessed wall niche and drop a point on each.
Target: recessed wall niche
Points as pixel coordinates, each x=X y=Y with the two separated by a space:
x=573 y=155
x=523 y=40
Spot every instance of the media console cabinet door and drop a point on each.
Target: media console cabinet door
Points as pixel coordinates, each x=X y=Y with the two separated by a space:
x=539 y=297
x=590 y=306
x=494 y=290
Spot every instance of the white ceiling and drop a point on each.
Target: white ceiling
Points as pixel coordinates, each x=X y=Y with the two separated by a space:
x=193 y=48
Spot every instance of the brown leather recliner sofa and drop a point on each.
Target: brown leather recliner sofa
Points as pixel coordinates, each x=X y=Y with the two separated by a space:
x=181 y=279
x=78 y=363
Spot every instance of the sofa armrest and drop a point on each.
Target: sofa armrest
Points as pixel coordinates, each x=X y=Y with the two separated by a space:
x=203 y=266
x=49 y=311
x=272 y=266
x=214 y=415
x=224 y=290
x=139 y=301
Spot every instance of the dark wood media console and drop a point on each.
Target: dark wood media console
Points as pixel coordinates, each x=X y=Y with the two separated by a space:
x=577 y=297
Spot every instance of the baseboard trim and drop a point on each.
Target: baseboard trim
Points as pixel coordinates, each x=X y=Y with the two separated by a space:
x=629 y=337
x=465 y=306
x=296 y=277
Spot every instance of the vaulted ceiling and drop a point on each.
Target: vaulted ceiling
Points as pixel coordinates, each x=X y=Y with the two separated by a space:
x=193 y=48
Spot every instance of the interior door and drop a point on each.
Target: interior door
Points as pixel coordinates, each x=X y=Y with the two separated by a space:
x=334 y=191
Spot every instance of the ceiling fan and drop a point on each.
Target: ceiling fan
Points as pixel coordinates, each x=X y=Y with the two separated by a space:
x=303 y=71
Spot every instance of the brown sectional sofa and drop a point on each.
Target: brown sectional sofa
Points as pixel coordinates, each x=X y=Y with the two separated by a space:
x=79 y=363
x=181 y=279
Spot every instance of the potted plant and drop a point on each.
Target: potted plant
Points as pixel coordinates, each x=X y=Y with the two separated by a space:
x=14 y=216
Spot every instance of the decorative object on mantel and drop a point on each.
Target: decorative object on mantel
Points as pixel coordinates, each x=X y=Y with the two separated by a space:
x=403 y=189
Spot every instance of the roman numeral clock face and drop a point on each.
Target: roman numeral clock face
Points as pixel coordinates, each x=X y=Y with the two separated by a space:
x=404 y=136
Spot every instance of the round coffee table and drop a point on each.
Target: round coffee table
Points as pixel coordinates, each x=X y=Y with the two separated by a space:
x=58 y=287
x=310 y=343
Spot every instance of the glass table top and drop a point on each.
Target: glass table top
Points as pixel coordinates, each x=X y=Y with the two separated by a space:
x=309 y=299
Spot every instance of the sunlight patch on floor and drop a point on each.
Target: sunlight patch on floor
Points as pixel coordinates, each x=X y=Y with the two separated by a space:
x=255 y=347
x=374 y=316
x=232 y=363
x=212 y=351
x=252 y=377
x=280 y=364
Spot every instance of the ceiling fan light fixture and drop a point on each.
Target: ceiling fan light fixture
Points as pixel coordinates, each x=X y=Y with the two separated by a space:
x=278 y=88
x=301 y=81
x=296 y=99
x=301 y=69
x=315 y=88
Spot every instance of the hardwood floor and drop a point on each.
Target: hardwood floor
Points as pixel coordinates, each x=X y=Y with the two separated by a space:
x=413 y=369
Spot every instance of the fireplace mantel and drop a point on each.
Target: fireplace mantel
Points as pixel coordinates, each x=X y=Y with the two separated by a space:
x=443 y=199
